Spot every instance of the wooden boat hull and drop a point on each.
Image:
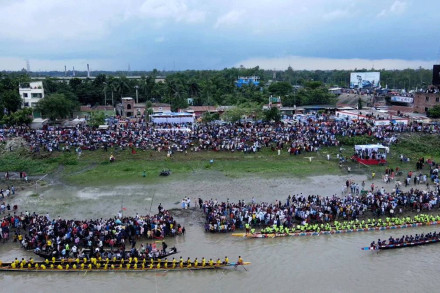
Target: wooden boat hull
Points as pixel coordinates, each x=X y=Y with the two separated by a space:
x=109 y=269
x=402 y=245
x=295 y=234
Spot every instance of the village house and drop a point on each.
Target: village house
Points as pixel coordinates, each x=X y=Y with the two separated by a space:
x=31 y=93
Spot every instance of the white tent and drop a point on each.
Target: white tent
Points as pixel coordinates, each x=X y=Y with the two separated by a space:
x=370 y=148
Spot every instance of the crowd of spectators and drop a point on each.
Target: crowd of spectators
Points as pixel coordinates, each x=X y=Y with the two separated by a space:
x=65 y=238
x=306 y=135
x=357 y=202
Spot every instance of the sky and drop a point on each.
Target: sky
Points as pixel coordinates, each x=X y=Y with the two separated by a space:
x=215 y=34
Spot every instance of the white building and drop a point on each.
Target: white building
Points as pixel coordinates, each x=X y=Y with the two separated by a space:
x=31 y=93
x=172 y=117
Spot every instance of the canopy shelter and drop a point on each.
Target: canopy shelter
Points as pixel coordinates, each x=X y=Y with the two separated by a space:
x=371 y=154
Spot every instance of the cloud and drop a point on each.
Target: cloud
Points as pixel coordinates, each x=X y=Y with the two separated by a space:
x=397 y=8
x=336 y=14
x=15 y=64
x=34 y=21
x=221 y=32
x=31 y=20
x=310 y=63
x=176 y=10
x=229 y=19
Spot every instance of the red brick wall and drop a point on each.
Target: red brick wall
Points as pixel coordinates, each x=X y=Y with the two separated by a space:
x=403 y=109
x=425 y=100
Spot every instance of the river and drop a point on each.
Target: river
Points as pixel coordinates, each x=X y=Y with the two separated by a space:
x=326 y=263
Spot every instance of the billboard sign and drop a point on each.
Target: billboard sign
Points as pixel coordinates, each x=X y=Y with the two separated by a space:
x=400 y=99
x=361 y=80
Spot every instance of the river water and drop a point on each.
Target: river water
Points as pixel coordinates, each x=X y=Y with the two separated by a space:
x=326 y=263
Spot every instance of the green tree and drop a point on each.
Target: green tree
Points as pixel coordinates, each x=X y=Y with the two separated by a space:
x=20 y=117
x=434 y=112
x=282 y=88
x=245 y=110
x=148 y=110
x=99 y=80
x=272 y=114
x=314 y=93
x=122 y=86
x=208 y=117
x=234 y=114
x=10 y=100
x=112 y=84
x=97 y=118
x=56 y=106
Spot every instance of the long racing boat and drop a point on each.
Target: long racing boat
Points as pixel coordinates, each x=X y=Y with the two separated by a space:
x=401 y=245
x=105 y=267
x=331 y=232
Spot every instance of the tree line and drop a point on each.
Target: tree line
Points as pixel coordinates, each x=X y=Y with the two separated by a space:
x=200 y=87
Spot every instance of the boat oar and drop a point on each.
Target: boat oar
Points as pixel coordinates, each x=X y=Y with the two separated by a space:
x=236 y=265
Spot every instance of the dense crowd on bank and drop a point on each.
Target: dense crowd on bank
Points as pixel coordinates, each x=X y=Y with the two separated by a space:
x=306 y=135
x=64 y=238
x=299 y=209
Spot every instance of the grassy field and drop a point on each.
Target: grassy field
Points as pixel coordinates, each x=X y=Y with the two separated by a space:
x=129 y=167
x=94 y=168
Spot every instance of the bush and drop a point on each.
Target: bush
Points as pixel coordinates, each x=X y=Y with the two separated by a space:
x=68 y=159
x=354 y=140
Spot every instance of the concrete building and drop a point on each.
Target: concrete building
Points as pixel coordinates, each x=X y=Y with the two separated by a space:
x=247 y=80
x=161 y=108
x=31 y=93
x=127 y=107
x=288 y=111
x=131 y=109
x=424 y=101
x=200 y=110
x=376 y=117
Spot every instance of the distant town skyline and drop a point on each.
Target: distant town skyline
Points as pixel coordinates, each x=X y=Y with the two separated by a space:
x=195 y=34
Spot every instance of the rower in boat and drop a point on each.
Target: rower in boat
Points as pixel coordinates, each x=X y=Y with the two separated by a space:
x=406 y=240
x=247 y=227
